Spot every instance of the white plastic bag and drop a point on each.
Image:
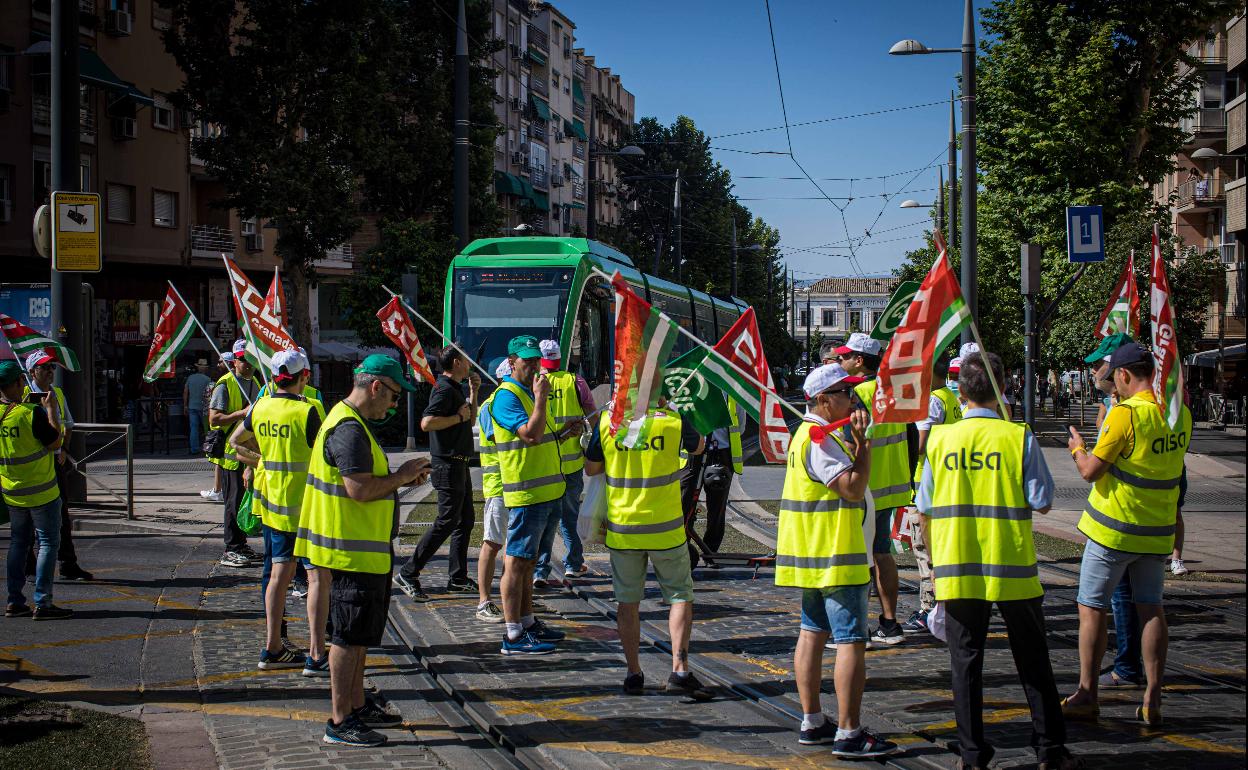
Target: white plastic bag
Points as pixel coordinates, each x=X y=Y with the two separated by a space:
x=936 y=621
x=591 y=523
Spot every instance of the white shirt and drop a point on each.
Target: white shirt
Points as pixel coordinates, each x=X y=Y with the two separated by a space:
x=825 y=461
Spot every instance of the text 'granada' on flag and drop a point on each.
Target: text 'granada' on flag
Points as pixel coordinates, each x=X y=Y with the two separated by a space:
x=25 y=340
x=399 y=329
x=742 y=347
x=643 y=341
x=1122 y=314
x=262 y=328
x=173 y=330
x=937 y=315
x=689 y=392
x=1167 y=373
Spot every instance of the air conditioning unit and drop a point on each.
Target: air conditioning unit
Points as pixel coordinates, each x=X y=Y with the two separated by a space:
x=119 y=23
x=125 y=128
x=254 y=242
x=516 y=53
x=516 y=157
x=556 y=180
x=559 y=137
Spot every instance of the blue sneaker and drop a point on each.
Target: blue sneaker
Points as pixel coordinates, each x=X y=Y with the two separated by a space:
x=544 y=633
x=815 y=736
x=527 y=644
x=284 y=659
x=314 y=667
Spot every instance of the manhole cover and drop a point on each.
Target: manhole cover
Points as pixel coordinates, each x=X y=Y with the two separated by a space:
x=173 y=510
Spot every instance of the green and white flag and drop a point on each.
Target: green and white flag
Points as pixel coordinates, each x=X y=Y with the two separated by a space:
x=697 y=400
x=173 y=331
x=25 y=340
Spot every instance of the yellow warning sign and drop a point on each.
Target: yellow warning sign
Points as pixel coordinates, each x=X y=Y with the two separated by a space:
x=77 y=245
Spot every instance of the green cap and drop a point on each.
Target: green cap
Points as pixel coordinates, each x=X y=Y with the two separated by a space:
x=524 y=346
x=386 y=367
x=10 y=373
x=1108 y=346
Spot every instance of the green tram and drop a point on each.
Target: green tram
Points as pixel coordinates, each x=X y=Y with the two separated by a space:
x=498 y=288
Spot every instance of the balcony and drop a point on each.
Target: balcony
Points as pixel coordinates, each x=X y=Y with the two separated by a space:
x=1236 y=129
x=1236 y=42
x=578 y=110
x=1209 y=51
x=341 y=256
x=578 y=150
x=538 y=176
x=1206 y=123
x=212 y=241
x=578 y=69
x=578 y=189
x=1197 y=195
x=537 y=131
x=1236 y=205
x=41 y=118
x=538 y=86
x=539 y=39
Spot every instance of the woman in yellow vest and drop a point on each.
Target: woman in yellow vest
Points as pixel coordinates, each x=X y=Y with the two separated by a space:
x=29 y=434
x=645 y=524
x=1136 y=468
x=276 y=438
x=983 y=478
x=821 y=549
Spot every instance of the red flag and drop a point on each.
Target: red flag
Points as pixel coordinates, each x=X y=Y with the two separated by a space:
x=398 y=328
x=643 y=339
x=1122 y=314
x=743 y=347
x=262 y=328
x=1167 y=373
x=275 y=300
x=173 y=331
x=937 y=314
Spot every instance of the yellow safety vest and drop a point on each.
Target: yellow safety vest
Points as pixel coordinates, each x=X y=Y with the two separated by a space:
x=334 y=530
x=312 y=394
x=531 y=474
x=734 y=436
x=1133 y=506
x=953 y=413
x=564 y=407
x=819 y=540
x=643 y=487
x=890 y=456
x=980 y=519
x=280 y=428
x=233 y=403
x=27 y=469
x=491 y=478
x=60 y=402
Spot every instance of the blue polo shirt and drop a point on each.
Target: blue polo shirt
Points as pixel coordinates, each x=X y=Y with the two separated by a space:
x=507 y=410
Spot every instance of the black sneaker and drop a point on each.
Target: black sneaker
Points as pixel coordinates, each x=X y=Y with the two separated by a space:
x=816 y=736
x=372 y=714
x=52 y=612
x=352 y=732
x=635 y=684
x=74 y=572
x=544 y=633
x=917 y=624
x=251 y=555
x=889 y=633
x=688 y=686
x=275 y=660
x=411 y=588
x=863 y=746
x=17 y=611
x=469 y=586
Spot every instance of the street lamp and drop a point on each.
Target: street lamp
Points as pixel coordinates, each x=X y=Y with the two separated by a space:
x=969 y=225
x=628 y=151
x=910 y=203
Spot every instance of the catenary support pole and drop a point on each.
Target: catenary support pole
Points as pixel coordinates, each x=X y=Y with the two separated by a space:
x=461 y=130
x=969 y=184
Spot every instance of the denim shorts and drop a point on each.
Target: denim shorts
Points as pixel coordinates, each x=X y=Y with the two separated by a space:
x=1102 y=570
x=840 y=611
x=526 y=526
x=883 y=542
x=280 y=547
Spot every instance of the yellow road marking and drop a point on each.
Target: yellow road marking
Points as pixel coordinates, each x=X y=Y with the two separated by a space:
x=704 y=753
x=548 y=710
x=90 y=640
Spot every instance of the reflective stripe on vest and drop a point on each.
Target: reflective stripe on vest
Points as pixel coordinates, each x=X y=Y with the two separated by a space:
x=563 y=407
x=819 y=540
x=890 y=457
x=279 y=425
x=28 y=473
x=981 y=541
x=491 y=480
x=334 y=530
x=643 y=487
x=531 y=474
x=737 y=414
x=233 y=403
x=1134 y=505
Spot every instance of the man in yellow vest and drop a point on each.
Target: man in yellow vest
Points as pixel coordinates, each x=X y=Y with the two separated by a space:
x=943 y=408
x=1129 y=519
x=570 y=401
x=232 y=397
x=42 y=370
x=891 y=482
x=494 y=516
x=983 y=479
x=348 y=518
x=645 y=523
x=820 y=548
x=275 y=439
x=527 y=445
x=29 y=434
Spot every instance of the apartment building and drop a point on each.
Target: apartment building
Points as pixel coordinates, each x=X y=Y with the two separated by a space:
x=135 y=151
x=838 y=307
x=547 y=96
x=613 y=115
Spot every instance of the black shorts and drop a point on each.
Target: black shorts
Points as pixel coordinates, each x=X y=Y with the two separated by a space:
x=358 y=604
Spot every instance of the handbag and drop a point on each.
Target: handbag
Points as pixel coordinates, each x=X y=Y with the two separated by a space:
x=214 y=445
x=936 y=621
x=591 y=523
x=248 y=521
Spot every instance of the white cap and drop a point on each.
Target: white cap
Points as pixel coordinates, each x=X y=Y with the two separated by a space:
x=240 y=348
x=860 y=343
x=503 y=370
x=38 y=358
x=227 y=358
x=967 y=349
x=826 y=376
x=550 y=350
x=291 y=360
x=955 y=365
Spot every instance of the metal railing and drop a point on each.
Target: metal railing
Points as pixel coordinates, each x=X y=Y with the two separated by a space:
x=538 y=85
x=1207 y=120
x=212 y=241
x=41 y=116
x=342 y=253
x=578 y=69
x=537 y=176
x=1209 y=51
x=537 y=131
x=578 y=190
x=1195 y=191
x=539 y=39
x=578 y=150
x=124 y=432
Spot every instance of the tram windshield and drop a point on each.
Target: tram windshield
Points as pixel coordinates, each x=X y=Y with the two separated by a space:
x=493 y=304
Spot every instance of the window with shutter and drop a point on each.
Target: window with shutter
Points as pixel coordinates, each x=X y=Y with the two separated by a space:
x=164 y=208
x=120 y=203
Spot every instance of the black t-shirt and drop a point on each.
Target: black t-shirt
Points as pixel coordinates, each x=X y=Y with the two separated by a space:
x=445 y=400
x=689 y=439
x=348 y=449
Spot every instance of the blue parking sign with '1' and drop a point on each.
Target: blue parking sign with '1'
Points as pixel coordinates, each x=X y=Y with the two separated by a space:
x=1085 y=235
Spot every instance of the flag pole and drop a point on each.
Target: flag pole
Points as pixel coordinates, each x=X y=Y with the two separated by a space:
x=246 y=321
x=208 y=337
x=753 y=381
x=438 y=331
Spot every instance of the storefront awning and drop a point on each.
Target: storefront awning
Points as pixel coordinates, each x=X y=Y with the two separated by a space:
x=507 y=184
x=578 y=128
x=540 y=107
x=541 y=200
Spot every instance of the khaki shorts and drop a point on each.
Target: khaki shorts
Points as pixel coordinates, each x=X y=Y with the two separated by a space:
x=671 y=568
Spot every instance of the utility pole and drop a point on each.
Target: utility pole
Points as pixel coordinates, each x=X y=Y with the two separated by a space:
x=810 y=322
x=733 y=287
x=953 y=173
x=461 y=130
x=969 y=224
x=410 y=287
x=792 y=306
x=676 y=208
x=1031 y=257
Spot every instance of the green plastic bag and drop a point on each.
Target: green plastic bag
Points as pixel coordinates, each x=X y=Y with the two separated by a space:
x=248 y=522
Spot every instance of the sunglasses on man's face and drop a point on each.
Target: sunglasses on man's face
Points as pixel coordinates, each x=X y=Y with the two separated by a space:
x=395 y=393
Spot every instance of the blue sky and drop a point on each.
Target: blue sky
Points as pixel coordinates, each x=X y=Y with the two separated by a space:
x=712 y=60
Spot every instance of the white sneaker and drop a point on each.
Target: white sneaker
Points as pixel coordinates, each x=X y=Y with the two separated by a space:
x=1177 y=567
x=214 y=497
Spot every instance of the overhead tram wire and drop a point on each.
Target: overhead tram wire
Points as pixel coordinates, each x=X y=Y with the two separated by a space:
x=884 y=111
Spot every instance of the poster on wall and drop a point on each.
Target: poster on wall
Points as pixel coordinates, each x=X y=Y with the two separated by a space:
x=218 y=300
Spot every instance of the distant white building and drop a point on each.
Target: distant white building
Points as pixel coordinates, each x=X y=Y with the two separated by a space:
x=839 y=306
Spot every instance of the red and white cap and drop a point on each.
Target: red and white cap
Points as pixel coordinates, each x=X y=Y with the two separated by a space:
x=955 y=365
x=39 y=358
x=860 y=343
x=550 y=353
x=239 y=349
x=828 y=377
